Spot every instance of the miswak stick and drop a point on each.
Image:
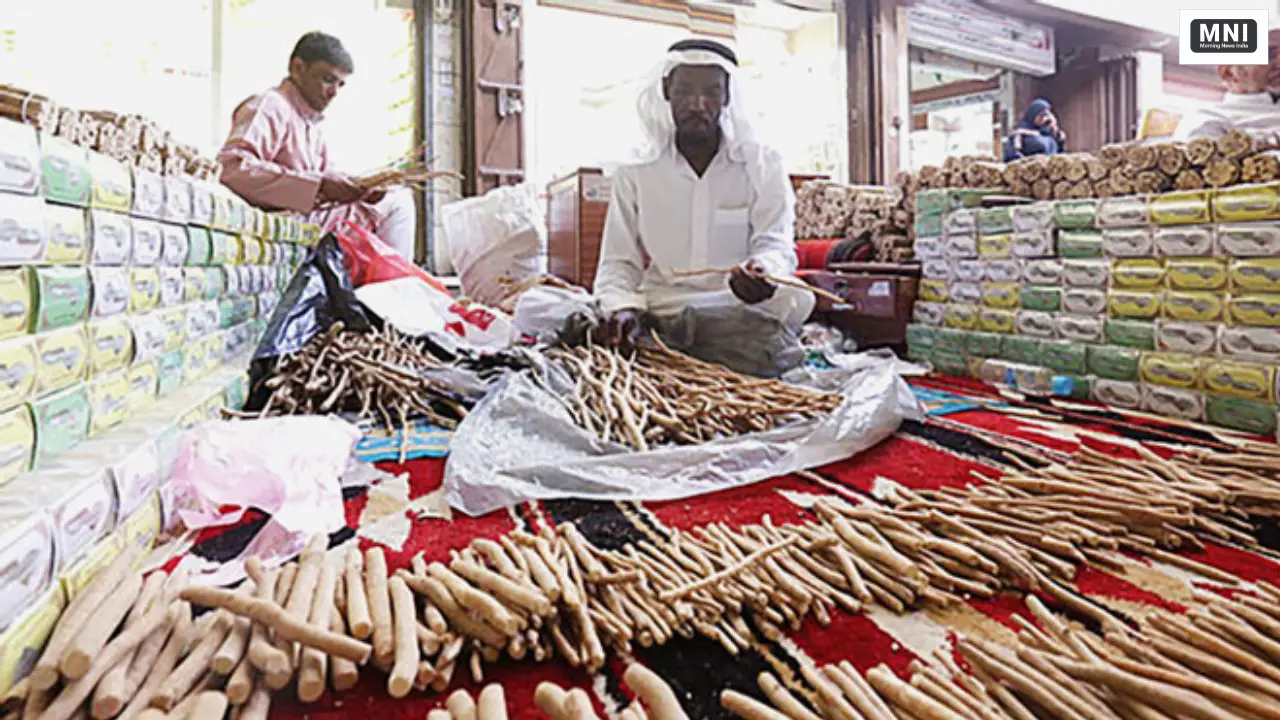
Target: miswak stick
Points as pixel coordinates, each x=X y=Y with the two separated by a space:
x=550 y=699
x=151 y=714
x=77 y=615
x=458 y=617
x=1203 y=686
x=860 y=695
x=170 y=653
x=259 y=705
x=515 y=593
x=313 y=664
x=461 y=706
x=75 y=693
x=908 y=698
x=185 y=676
x=241 y=681
x=542 y=575
x=234 y=646
x=404 y=616
x=118 y=685
x=434 y=619
x=1160 y=695
x=783 y=699
x=578 y=705
x=492 y=704
x=375 y=586
x=358 y=619
x=748 y=708
x=209 y=705
x=477 y=602
x=345 y=673
x=262 y=654
x=285 y=625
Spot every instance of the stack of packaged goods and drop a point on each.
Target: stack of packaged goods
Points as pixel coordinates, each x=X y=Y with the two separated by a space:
x=1168 y=303
x=128 y=302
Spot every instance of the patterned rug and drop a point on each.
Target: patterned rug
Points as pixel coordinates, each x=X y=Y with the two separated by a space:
x=967 y=434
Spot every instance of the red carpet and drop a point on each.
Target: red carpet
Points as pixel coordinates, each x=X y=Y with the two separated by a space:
x=943 y=451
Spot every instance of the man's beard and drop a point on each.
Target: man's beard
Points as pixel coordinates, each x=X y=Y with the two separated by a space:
x=697 y=133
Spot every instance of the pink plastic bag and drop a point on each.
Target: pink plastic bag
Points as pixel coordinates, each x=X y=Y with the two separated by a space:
x=289 y=468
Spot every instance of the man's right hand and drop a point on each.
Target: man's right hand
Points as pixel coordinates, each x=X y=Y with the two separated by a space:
x=340 y=189
x=625 y=328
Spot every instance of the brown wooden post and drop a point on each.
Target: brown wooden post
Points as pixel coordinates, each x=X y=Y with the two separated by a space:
x=874 y=35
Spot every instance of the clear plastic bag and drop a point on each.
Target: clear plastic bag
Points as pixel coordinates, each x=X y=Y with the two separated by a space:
x=495 y=237
x=520 y=444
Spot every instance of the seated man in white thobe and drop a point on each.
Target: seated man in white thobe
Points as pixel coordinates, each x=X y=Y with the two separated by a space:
x=703 y=195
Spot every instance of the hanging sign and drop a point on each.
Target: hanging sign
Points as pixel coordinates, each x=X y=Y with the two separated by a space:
x=967 y=30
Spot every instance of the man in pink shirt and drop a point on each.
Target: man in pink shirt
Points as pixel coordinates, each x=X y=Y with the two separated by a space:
x=276 y=158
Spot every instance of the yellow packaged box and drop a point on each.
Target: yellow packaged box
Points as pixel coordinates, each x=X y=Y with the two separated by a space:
x=142 y=526
x=1137 y=274
x=995 y=246
x=1245 y=203
x=82 y=504
x=112 y=183
x=18 y=368
x=21 y=643
x=1255 y=275
x=68 y=235
x=1255 y=309
x=996 y=320
x=1170 y=369
x=144 y=289
x=1181 y=208
x=961 y=317
x=143 y=378
x=28 y=552
x=251 y=249
x=15 y=302
x=98 y=558
x=193 y=283
x=1207 y=274
x=62 y=359
x=17 y=443
x=933 y=291
x=1194 y=307
x=1004 y=295
x=1240 y=379
x=174 y=321
x=1137 y=304
x=108 y=401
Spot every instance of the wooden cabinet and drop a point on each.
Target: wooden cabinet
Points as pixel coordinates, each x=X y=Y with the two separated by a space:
x=880 y=297
x=576 y=208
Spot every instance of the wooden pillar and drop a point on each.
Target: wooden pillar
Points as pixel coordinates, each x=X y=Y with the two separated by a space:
x=874 y=36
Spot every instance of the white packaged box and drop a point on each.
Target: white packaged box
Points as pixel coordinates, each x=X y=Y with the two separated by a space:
x=1129 y=242
x=1173 y=402
x=111 y=289
x=1184 y=241
x=1256 y=344
x=82 y=504
x=29 y=556
x=965 y=293
x=1116 y=393
x=1187 y=337
x=1031 y=218
x=1034 y=323
x=936 y=269
x=112 y=238
x=1255 y=239
x=148 y=242
x=1004 y=271
x=968 y=270
x=930 y=248
x=1084 y=301
x=1040 y=243
x=959 y=247
x=23 y=233
x=1045 y=271
x=1086 y=273
x=931 y=314
x=1081 y=328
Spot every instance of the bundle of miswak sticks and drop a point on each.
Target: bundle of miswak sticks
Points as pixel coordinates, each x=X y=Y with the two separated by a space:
x=1216 y=662
x=28 y=107
x=656 y=396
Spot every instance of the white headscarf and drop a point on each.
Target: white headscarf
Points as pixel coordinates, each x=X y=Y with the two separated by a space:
x=655 y=112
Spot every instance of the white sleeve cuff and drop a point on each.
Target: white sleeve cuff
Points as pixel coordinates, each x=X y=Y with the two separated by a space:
x=613 y=302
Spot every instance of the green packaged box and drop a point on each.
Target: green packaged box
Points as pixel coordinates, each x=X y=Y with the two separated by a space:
x=169 y=372
x=1080 y=244
x=1043 y=298
x=215 y=282
x=236 y=393
x=62 y=422
x=919 y=353
x=1065 y=356
x=234 y=311
x=984 y=344
x=1021 y=349
x=970 y=198
x=1138 y=334
x=949 y=340
x=199 y=246
x=64 y=171
x=949 y=363
x=1241 y=414
x=928 y=225
x=995 y=221
x=1075 y=214
x=1114 y=363
x=921 y=335
x=60 y=296
x=932 y=201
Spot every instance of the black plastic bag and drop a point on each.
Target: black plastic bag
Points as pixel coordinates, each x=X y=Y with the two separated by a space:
x=319 y=295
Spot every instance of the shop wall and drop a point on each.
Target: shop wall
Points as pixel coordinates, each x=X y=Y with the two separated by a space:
x=1095 y=100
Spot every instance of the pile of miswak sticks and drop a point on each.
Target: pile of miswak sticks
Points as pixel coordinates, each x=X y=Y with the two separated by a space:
x=1119 y=170
x=656 y=396
x=1217 y=662
x=376 y=375
x=654 y=699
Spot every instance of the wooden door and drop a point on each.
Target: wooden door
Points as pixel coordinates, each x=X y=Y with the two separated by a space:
x=493 y=80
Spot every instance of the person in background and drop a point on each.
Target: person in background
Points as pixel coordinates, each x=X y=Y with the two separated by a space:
x=1037 y=134
x=276 y=157
x=703 y=195
x=1249 y=103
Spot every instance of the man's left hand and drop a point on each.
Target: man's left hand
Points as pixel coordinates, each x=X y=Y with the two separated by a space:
x=374 y=197
x=749 y=284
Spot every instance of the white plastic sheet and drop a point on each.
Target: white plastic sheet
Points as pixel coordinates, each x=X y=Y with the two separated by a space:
x=499 y=234
x=520 y=444
x=543 y=312
x=415 y=308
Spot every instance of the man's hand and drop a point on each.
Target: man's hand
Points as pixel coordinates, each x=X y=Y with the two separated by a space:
x=340 y=189
x=373 y=197
x=625 y=328
x=748 y=283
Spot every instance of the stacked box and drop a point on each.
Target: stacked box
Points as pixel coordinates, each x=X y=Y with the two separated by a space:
x=1167 y=303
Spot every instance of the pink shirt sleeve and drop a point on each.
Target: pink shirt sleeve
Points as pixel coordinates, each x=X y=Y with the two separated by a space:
x=247 y=157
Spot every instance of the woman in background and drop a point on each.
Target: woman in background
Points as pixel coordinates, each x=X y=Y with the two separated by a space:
x=1037 y=134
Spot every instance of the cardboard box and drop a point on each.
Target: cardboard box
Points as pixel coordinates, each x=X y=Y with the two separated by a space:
x=1003 y=295
x=995 y=320
x=148 y=194
x=1032 y=218
x=1192 y=338
x=18 y=369
x=1081 y=328
x=936 y=270
x=82 y=504
x=1084 y=301
x=1034 y=244
x=1190 y=207
x=199 y=246
x=23 y=234
x=1238 y=413
x=1137 y=274
x=1045 y=271
x=964 y=293
x=1185 y=241
x=1240 y=379
x=1075 y=214
x=995 y=246
x=1119 y=394
x=1173 y=402
x=1124 y=212
x=144 y=289
x=1044 y=299
x=1080 y=244
x=1035 y=323
x=110 y=291
x=201 y=204
x=61 y=296
x=25 y=638
x=1064 y=356
x=174 y=245
x=148 y=336
x=108 y=401
x=1000 y=271
x=1129 y=242
x=1171 y=370
x=1250 y=343
x=925 y=313
x=1086 y=273
x=68 y=232
x=1194 y=307
x=1254 y=275
x=1254 y=309
x=1135 y=304
x=143 y=384
x=1114 y=363
x=172 y=286
x=1138 y=334
x=1246 y=203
